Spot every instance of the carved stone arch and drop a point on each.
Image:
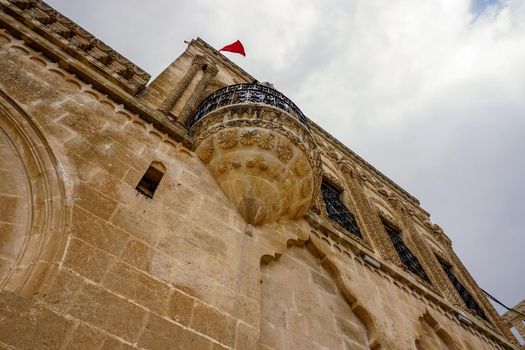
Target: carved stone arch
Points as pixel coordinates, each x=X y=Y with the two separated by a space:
x=440 y=255
x=354 y=325
x=38 y=244
x=330 y=174
x=433 y=336
x=433 y=244
x=385 y=212
x=333 y=175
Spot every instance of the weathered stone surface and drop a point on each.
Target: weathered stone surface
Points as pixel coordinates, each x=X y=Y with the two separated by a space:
x=137 y=286
x=88 y=262
x=97 y=232
x=180 y=307
x=213 y=323
x=102 y=309
x=24 y=325
x=302 y=322
x=162 y=334
x=264 y=171
x=85 y=338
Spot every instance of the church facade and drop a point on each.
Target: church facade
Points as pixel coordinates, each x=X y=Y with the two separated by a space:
x=202 y=211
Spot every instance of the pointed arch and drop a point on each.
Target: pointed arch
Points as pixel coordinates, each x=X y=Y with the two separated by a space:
x=306 y=270
x=432 y=335
x=44 y=238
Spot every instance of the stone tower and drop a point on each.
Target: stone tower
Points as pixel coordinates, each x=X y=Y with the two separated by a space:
x=204 y=211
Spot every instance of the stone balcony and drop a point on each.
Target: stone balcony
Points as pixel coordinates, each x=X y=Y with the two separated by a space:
x=257 y=145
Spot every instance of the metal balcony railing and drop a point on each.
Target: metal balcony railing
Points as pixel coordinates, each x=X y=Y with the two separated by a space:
x=247 y=93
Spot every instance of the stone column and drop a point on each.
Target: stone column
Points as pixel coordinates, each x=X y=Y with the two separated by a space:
x=373 y=226
x=195 y=99
x=170 y=101
x=428 y=259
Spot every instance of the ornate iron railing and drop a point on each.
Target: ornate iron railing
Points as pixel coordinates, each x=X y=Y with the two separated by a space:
x=246 y=93
x=337 y=210
x=463 y=292
x=405 y=254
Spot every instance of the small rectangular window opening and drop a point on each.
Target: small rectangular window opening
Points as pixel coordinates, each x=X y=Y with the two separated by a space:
x=150 y=181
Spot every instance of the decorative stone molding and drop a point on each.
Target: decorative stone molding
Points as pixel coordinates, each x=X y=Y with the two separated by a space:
x=436 y=328
x=45 y=239
x=429 y=260
x=440 y=236
x=28 y=30
x=264 y=160
x=351 y=250
x=412 y=240
x=371 y=222
x=318 y=247
x=77 y=42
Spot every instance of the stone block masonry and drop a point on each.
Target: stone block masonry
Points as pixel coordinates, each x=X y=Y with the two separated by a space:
x=206 y=258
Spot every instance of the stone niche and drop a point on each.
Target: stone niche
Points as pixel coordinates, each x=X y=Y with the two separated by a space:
x=257 y=145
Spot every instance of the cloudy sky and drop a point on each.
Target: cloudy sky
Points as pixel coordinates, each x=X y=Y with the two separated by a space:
x=430 y=92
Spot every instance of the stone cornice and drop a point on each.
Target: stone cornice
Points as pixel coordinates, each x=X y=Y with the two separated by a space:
x=85 y=71
x=77 y=42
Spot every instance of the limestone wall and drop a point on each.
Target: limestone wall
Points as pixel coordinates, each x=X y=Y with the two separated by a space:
x=87 y=262
x=134 y=270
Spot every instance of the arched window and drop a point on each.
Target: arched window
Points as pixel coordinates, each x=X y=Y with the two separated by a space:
x=468 y=299
x=337 y=210
x=405 y=254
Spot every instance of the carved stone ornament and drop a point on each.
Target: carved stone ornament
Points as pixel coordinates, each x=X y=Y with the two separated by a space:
x=347 y=168
x=80 y=44
x=264 y=160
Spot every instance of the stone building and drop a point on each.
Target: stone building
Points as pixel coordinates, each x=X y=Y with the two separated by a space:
x=516 y=320
x=202 y=211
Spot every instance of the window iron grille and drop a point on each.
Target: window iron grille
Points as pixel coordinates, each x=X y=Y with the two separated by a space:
x=463 y=292
x=337 y=210
x=405 y=254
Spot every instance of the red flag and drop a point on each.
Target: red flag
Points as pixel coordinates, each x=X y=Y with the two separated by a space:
x=235 y=47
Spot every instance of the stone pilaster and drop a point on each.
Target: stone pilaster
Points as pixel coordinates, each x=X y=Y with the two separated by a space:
x=433 y=267
x=198 y=95
x=372 y=223
x=170 y=101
